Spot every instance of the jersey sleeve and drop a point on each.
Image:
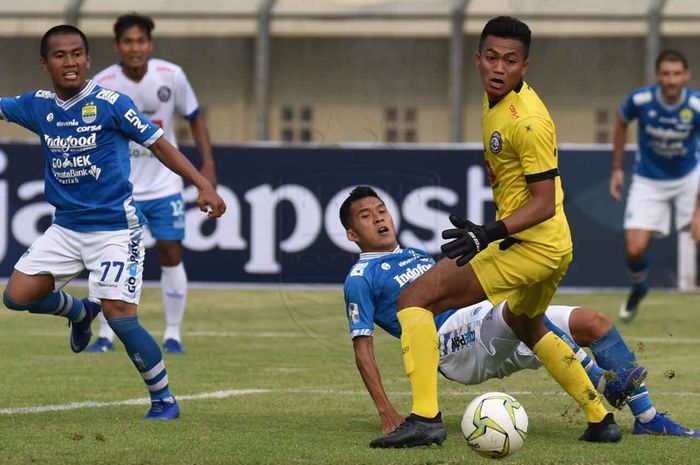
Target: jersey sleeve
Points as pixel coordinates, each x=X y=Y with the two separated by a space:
x=535 y=142
x=629 y=109
x=134 y=124
x=359 y=306
x=185 y=99
x=19 y=110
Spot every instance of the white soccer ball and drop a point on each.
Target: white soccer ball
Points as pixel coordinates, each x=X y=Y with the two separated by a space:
x=495 y=425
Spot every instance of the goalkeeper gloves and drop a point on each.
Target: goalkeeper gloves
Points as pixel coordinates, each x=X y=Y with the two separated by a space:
x=470 y=238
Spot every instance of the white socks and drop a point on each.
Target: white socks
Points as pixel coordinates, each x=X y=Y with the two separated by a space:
x=173 y=285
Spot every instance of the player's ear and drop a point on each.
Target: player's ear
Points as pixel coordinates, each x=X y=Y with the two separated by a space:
x=88 y=61
x=43 y=64
x=477 y=58
x=350 y=234
x=526 y=63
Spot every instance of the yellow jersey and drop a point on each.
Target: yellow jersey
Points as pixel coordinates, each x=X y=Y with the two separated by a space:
x=520 y=146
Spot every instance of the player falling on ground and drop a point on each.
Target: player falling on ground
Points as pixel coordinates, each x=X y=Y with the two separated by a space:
x=160 y=90
x=665 y=173
x=84 y=132
x=476 y=343
x=530 y=247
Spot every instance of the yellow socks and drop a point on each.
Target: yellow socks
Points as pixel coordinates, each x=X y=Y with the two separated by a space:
x=564 y=367
x=419 y=345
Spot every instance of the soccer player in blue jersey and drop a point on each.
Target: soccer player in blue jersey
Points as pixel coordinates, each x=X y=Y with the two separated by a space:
x=665 y=173
x=84 y=132
x=475 y=342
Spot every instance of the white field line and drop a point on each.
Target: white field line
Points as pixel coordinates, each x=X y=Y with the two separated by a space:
x=241 y=392
x=141 y=401
x=274 y=334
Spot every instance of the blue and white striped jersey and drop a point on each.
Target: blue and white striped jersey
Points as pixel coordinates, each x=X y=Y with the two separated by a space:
x=85 y=141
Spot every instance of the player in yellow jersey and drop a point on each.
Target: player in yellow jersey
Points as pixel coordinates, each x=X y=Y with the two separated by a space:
x=530 y=247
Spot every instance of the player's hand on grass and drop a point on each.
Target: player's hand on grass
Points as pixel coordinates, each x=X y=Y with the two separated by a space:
x=209 y=201
x=469 y=239
x=617 y=183
x=390 y=420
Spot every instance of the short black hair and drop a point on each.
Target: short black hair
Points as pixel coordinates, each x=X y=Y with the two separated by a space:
x=58 y=30
x=671 y=55
x=358 y=193
x=509 y=28
x=124 y=22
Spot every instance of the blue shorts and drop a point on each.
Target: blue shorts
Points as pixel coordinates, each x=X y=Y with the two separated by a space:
x=166 y=217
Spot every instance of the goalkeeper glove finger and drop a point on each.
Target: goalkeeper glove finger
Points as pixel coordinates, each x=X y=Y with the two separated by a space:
x=469 y=239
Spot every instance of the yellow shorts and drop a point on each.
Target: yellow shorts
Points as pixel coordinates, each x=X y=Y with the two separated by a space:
x=524 y=274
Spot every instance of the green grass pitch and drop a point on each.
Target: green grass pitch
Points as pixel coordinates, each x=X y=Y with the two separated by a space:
x=269 y=378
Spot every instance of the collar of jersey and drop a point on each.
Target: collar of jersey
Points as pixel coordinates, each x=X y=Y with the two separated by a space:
x=681 y=101
x=76 y=98
x=371 y=255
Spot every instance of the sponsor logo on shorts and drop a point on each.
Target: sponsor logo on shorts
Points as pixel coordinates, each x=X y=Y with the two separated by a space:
x=135 y=252
x=456 y=340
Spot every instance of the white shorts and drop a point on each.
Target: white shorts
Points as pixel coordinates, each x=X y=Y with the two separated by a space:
x=113 y=258
x=650 y=200
x=476 y=345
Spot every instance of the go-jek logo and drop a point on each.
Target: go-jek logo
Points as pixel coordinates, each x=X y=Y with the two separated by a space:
x=65 y=144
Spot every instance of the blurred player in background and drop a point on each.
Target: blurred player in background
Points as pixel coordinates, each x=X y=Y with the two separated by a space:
x=85 y=132
x=160 y=90
x=529 y=254
x=665 y=173
x=475 y=342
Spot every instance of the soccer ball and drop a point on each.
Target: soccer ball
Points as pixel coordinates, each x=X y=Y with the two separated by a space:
x=495 y=425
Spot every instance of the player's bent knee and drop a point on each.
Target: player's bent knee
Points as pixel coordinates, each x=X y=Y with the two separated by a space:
x=592 y=327
x=12 y=304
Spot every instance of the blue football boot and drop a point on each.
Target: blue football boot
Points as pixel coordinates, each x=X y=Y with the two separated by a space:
x=102 y=344
x=80 y=332
x=621 y=384
x=163 y=410
x=172 y=346
x=661 y=425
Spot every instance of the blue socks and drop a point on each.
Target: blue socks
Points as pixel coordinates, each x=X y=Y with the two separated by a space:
x=611 y=352
x=638 y=272
x=56 y=303
x=144 y=351
x=595 y=373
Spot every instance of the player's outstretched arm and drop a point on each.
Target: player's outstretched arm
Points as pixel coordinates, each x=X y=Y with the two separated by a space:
x=369 y=371
x=468 y=239
x=200 y=134
x=208 y=200
x=617 y=178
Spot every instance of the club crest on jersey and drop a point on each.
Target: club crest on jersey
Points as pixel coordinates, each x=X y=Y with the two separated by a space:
x=686 y=115
x=164 y=93
x=89 y=113
x=496 y=143
x=386 y=266
x=49 y=117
